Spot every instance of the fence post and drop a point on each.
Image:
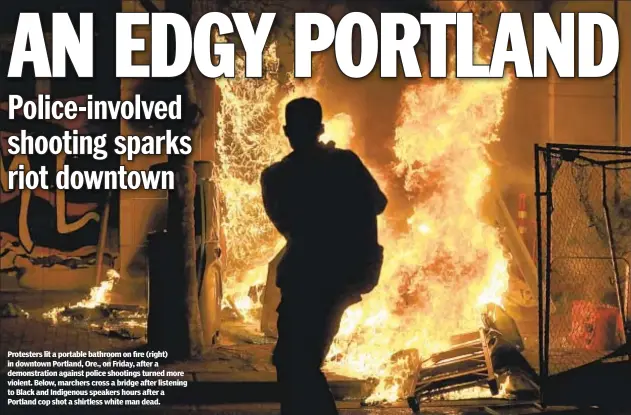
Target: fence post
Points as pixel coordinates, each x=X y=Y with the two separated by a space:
x=538 y=195
x=548 y=264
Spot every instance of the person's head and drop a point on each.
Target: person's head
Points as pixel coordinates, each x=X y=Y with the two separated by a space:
x=303 y=123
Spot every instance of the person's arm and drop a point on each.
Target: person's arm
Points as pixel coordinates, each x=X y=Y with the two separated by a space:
x=368 y=183
x=273 y=204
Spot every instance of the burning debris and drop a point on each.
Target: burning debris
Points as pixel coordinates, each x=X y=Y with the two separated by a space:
x=439 y=274
x=97 y=314
x=250 y=138
x=482 y=363
x=246 y=308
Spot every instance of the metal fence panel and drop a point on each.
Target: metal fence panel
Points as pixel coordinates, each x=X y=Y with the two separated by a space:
x=584 y=240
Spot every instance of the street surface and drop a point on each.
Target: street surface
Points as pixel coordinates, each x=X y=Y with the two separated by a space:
x=237 y=370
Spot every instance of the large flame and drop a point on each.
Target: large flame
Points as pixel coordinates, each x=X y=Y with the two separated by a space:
x=436 y=274
x=449 y=262
x=249 y=139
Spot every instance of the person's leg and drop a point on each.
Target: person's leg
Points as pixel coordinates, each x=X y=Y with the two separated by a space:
x=283 y=359
x=318 y=338
x=303 y=336
x=296 y=368
x=325 y=328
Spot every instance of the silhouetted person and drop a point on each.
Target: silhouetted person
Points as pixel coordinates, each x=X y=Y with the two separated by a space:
x=325 y=203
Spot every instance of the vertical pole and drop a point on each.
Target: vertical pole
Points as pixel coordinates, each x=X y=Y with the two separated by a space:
x=100 y=249
x=548 y=264
x=538 y=196
x=181 y=208
x=551 y=133
x=108 y=88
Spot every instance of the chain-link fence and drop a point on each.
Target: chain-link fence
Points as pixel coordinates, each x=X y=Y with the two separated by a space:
x=584 y=251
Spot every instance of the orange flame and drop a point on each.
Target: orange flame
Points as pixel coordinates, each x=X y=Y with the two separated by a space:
x=437 y=274
x=449 y=262
x=99 y=295
x=250 y=138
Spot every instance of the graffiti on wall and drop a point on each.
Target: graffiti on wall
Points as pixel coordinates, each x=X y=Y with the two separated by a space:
x=44 y=229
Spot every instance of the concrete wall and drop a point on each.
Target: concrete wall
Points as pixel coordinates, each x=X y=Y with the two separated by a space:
x=562 y=111
x=583 y=109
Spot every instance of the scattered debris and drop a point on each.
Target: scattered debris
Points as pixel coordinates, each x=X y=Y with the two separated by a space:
x=485 y=362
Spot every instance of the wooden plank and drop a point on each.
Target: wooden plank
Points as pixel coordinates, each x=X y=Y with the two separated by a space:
x=469 y=351
x=458 y=339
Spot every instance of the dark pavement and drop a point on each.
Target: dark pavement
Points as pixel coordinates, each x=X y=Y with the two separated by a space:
x=235 y=377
